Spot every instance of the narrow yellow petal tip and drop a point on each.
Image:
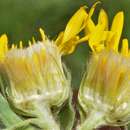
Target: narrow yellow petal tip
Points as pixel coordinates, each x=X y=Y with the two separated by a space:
x=59 y=38
x=117 y=26
x=33 y=40
x=93 y=8
x=29 y=43
x=125 y=47
x=43 y=36
x=13 y=46
x=121 y=13
x=75 y=24
x=103 y=19
x=4 y=39
x=20 y=44
x=3 y=45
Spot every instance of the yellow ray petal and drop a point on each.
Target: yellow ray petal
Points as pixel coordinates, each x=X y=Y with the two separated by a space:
x=125 y=47
x=97 y=36
x=110 y=41
x=69 y=47
x=90 y=26
x=83 y=39
x=3 y=45
x=58 y=40
x=29 y=43
x=13 y=46
x=117 y=26
x=99 y=47
x=103 y=19
x=93 y=8
x=20 y=44
x=109 y=37
x=75 y=24
x=79 y=21
x=43 y=36
x=33 y=40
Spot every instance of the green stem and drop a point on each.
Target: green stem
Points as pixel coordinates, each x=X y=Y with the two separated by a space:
x=45 y=117
x=94 y=120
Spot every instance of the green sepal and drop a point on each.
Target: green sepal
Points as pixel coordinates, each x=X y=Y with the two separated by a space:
x=9 y=119
x=7 y=116
x=5 y=89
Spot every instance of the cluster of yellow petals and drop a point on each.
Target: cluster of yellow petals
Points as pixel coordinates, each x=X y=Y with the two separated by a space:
x=4 y=46
x=99 y=36
x=66 y=40
x=70 y=38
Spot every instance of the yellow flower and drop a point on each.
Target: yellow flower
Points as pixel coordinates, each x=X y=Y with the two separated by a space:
x=105 y=87
x=70 y=38
x=35 y=78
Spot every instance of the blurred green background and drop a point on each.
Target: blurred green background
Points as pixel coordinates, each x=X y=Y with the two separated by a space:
x=21 y=19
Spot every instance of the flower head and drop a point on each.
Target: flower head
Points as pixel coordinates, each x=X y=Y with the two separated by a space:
x=105 y=86
x=35 y=79
x=36 y=73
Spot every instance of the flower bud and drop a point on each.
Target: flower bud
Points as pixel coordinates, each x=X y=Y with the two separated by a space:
x=36 y=73
x=105 y=88
x=36 y=80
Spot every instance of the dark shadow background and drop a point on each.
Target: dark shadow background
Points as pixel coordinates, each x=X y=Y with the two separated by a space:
x=21 y=19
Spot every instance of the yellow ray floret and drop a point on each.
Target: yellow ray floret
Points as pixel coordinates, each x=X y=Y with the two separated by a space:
x=3 y=46
x=20 y=44
x=117 y=26
x=68 y=40
x=125 y=47
x=97 y=33
x=103 y=19
x=100 y=36
x=42 y=34
x=74 y=26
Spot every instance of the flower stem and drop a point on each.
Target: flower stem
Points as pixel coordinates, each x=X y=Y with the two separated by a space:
x=94 y=120
x=45 y=118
